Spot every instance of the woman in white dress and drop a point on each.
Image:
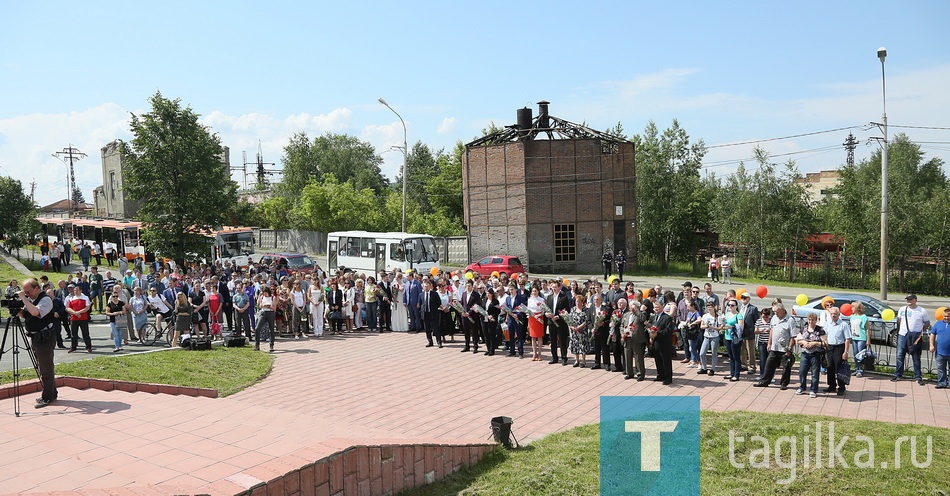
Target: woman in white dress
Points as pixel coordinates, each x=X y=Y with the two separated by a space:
x=317 y=297
x=400 y=312
x=349 y=299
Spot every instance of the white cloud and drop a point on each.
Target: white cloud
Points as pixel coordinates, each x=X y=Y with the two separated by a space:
x=447 y=125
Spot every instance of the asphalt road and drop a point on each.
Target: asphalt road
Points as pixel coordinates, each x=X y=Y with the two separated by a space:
x=102 y=344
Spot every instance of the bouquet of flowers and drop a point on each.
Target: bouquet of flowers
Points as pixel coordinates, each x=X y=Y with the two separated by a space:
x=653 y=330
x=568 y=317
x=505 y=310
x=599 y=318
x=481 y=311
x=544 y=307
x=616 y=318
x=522 y=308
x=461 y=310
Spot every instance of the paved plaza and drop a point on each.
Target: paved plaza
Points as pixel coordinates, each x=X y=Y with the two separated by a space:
x=328 y=393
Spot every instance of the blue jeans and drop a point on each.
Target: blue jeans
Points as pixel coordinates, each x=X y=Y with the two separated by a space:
x=709 y=344
x=857 y=347
x=942 y=369
x=735 y=352
x=811 y=362
x=692 y=350
x=116 y=333
x=904 y=344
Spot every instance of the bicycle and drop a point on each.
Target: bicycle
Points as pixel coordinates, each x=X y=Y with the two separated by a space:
x=152 y=333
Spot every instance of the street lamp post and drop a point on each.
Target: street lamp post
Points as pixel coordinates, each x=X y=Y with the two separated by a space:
x=882 y=54
x=405 y=159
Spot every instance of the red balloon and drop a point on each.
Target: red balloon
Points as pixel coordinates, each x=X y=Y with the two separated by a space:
x=846 y=310
x=761 y=291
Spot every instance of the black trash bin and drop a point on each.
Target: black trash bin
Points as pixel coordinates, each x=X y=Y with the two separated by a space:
x=501 y=431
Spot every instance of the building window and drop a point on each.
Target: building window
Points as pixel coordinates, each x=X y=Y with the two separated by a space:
x=112 y=185
x=564 y=243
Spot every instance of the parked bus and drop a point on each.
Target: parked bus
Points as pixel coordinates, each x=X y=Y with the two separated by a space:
x=233 y=244
x=378 y=251
x=123 y=235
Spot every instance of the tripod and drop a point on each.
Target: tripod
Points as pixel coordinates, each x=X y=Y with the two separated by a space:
x=18 y=332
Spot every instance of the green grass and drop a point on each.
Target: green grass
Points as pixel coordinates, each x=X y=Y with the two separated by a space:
x=568 y=462
x=7 y=272
x=228 y=370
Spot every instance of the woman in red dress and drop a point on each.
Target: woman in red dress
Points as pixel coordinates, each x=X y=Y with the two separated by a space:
x=535 y=321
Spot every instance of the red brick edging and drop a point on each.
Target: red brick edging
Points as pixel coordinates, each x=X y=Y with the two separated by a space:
x=374 y=469
x=34 y=386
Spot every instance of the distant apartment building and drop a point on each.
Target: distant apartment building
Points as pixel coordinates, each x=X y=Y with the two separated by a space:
x=818 y=185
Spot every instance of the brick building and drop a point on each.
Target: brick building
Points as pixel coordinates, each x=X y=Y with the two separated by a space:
x=554 y=193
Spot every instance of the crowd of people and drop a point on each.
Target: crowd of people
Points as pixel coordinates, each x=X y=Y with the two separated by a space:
x=619 y=325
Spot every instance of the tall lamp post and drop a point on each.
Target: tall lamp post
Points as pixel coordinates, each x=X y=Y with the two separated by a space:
x=405 y=154
x=882 y=54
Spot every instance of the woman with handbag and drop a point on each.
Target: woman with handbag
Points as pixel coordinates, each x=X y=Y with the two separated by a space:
x=335 y=302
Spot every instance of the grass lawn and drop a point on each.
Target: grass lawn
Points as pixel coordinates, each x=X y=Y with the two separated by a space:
x=7 y=272
x=228 y=370
x=568 y=462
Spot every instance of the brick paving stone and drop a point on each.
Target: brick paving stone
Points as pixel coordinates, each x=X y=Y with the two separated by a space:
x=358 y=389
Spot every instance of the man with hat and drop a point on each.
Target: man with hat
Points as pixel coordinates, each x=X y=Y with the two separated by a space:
x=912 y=321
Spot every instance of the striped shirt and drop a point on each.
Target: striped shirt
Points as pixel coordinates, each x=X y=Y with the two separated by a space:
x=108 y=284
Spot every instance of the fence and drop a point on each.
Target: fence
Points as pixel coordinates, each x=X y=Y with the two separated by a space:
x=290 y=240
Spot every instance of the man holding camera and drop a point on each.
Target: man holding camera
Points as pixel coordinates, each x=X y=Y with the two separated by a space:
x=38 y=321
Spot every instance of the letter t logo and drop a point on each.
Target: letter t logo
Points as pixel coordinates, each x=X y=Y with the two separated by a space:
x=650 y=441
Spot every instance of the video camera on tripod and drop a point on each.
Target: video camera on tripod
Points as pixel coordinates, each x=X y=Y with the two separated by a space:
x=13 y=304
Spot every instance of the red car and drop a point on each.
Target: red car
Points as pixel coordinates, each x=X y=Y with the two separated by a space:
x=503 y=264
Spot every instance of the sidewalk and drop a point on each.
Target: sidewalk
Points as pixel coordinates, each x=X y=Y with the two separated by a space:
x=365 y=386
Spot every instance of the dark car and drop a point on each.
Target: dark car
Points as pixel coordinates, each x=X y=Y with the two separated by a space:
x=293 y=261
x=503 y=264
x=878 y=329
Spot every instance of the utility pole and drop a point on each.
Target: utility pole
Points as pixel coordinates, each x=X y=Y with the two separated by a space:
x=32 y=190
x=262 y=172
x=70 y=155
x=850 y=144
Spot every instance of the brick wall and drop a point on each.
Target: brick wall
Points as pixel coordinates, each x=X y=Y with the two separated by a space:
x=384 y=469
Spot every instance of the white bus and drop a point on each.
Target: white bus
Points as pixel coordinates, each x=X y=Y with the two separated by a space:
x=233 y=244
x=378 y=251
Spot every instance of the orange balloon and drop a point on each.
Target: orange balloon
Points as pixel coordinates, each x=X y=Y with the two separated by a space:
x=739 y=293
x=761 y=291
x=846 y=310
x=939 y=313
x=646 y=293
x=434 y=271
x=566 y=282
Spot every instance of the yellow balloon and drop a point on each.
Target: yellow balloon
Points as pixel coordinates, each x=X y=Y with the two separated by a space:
x=887 y=314
x=611 y=279
x=469 y=275
x=801 y=299
x=495 y=273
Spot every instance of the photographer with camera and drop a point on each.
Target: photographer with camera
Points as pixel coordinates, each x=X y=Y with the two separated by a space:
x=38 y=321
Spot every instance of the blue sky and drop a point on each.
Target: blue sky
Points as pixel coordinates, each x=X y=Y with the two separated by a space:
x=729 y=71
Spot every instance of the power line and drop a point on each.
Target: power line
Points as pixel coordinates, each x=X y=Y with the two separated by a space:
x=722 y=145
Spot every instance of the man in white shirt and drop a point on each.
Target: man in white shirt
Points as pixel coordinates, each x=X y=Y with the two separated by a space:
x=912 y=321
x=838 y=333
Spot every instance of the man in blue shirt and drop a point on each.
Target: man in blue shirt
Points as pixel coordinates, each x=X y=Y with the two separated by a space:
x=940 y=347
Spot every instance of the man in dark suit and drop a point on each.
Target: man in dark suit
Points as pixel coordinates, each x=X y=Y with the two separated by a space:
x=601 y=332
x=663 y=343
x=750 y=315
x=475 y=328
x=431 y=314
x=227 y=304
x=515 y=329
x=385 y=303
x=412 y=301
x=557 y=301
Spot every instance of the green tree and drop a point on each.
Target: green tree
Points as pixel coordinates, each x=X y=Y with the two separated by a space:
x=173 y=167
x=421 y=166
x=14 y=205
x=334 y=206
x=670 y=206
x=300 y=166
x=916 y=216
x=444 y=187
x=77 y=197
